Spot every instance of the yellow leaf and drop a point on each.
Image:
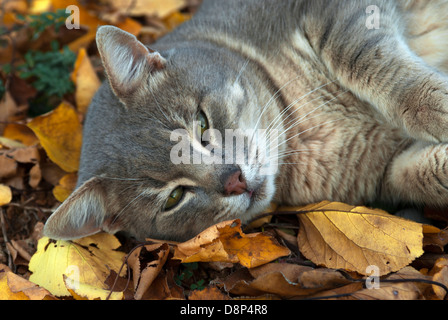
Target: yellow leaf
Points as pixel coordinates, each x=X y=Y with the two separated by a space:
x=65 y=186
x=86 y=81
x=341 y=236
x=20 y=133
x=225 y=242
x=5 y=194
x=157 y=8
x=83 y=291
x=86 y=261
x=60 y=134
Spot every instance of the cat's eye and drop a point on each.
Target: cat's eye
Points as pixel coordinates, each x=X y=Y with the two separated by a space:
x=174 y=198
x=202 y=124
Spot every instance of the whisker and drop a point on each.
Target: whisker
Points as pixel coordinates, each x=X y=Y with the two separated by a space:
x=125 y=207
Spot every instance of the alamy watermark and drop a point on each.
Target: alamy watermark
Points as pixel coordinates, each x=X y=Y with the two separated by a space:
x=373 y=20
x=238 y=146
x=73 y=20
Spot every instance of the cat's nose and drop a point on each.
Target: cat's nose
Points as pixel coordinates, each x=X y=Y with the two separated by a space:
x=235 y=184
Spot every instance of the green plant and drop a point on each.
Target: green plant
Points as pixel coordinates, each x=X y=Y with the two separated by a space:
x=2 y=89
x=40 y=22
x=187 y=277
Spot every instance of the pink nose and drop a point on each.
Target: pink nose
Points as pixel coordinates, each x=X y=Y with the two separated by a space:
x=235 y=184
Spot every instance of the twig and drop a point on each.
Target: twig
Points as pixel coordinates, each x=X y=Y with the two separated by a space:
x=5 y=238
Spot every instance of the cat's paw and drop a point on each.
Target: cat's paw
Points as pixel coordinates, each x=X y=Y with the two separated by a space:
x=425 y=111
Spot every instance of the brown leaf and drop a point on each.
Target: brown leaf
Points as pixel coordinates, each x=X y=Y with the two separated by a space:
x=146 y=263
x=226 y=242
x=440 y=274
x=14 y=287
x=209 y=293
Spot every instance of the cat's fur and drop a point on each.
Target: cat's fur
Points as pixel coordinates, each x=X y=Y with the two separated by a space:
x=367 y=116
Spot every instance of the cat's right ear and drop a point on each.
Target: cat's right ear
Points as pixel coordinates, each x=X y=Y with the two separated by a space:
x=126 y=60
x=82 y=214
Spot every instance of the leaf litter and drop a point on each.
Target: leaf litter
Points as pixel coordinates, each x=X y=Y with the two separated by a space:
x=321 y=251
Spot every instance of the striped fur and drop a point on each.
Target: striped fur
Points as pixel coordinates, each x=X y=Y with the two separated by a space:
x=362 y=113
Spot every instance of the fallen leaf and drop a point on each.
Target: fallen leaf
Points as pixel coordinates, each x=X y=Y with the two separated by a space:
x=157 y=8
x=86 y=81
x=83 y=291
x=60 y=134
x=86 y=261
x=341 y=236
x=286 y=281
x=209 y=293
x=14 y=287
x=225 y=242
x=146 y=263
x=440 y=274
x=20 y=133
x=8 y=166
x=65 y=186
x=5 y=194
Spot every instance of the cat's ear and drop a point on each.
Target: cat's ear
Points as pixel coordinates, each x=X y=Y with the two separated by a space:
x=126 y=60
x=82 y=214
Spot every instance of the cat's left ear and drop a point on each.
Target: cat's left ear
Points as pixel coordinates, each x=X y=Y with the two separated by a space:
x=126 y=60
x=82 y=214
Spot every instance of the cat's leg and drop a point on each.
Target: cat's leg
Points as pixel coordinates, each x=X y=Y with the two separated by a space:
x=427 y=30
x=418 y=175
x=378 y=65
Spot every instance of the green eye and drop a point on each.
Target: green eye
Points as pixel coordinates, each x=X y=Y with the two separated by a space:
x=174 y=198
x=202 y=123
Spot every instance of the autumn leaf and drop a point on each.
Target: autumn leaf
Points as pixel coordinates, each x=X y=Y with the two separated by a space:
x=5 y=194
x=14 y=287
x=282 y=280
x=225 y=242
x=341 y=236
x=60 y=134
x=20 y=133
x=146 y=263
x=86 y=81
x=65 y=186
x=87 y=262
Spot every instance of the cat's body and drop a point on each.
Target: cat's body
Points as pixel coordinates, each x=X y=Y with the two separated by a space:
x=362 y=114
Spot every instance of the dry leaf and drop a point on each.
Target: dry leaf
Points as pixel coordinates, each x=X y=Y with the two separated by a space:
x=225 y=242
x=86 y=261
x=209 y=293
x=86 y=81
x=146 y=263
x=14 y=287
x=157 y=8
x=5 y=194
x=20 y=133
x=8 y=167
x=440 y=274
x=65 y=186
x=60 y=134
x=290 y=280
x=341 y=236
x=83 y=291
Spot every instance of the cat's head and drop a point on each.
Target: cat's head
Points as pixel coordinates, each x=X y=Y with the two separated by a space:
x=168 y=149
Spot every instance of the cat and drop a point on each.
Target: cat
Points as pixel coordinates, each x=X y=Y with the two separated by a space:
x=356 y=92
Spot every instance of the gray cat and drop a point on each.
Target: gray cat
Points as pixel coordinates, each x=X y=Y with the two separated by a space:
x=352 y=96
